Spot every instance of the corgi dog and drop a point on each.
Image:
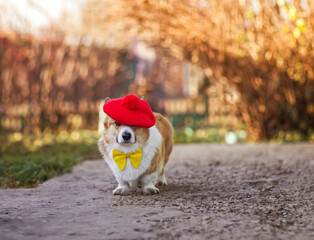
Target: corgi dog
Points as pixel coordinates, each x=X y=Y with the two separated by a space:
x=136 y=144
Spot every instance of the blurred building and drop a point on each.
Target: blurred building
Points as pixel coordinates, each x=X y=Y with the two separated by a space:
x=49 y=84
x=183 y=90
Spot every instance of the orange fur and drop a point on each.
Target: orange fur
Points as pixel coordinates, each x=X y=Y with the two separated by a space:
x=161 y=158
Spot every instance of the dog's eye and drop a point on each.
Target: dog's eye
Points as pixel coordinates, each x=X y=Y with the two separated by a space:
x=117 y=123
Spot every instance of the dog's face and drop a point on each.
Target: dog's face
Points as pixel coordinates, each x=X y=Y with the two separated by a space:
x=124 y=137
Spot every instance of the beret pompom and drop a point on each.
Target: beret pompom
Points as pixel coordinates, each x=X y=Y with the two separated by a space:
x=130 y=111
x=131 y=102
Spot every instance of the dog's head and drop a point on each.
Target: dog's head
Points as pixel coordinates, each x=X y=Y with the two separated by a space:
x=126 y=138
x=123 y=137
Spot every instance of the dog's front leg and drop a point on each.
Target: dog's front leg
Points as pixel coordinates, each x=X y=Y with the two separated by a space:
x=122 y=189
x=148 y=184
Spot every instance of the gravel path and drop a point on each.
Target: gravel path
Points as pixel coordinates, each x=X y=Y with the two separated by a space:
x=215 y=192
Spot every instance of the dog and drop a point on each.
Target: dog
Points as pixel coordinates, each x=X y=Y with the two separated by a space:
x=136 y=144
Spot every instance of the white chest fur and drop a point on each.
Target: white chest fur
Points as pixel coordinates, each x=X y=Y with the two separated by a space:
x=129 y=173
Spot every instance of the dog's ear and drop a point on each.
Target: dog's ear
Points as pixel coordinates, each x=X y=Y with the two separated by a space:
x=107 y=99
x=142 y=98
x=102 y=115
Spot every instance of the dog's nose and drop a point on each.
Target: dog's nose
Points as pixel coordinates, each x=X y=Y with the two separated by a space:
x=126 y=136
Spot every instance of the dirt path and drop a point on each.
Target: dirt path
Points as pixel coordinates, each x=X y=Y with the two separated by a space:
x=214 y=192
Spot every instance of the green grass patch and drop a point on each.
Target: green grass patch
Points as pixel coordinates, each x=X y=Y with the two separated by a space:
x=207 y=135
x=26 y=161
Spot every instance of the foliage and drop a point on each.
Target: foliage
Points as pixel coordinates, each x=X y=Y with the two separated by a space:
x=188 y=135
x=27 y=160
x=50 y=84
x=264 y=49
x=291 y=136
x=218 y=135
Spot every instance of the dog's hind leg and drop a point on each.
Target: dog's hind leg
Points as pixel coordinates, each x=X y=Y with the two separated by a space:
x=162 y=179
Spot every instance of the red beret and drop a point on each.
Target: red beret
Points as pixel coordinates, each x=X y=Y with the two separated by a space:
x=131 y=111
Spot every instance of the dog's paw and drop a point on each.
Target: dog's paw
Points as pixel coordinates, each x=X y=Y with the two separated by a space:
x=151 y=190
x=120 y=191
x=162 y=181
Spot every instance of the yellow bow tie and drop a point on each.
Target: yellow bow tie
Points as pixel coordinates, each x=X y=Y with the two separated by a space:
x=120 y=158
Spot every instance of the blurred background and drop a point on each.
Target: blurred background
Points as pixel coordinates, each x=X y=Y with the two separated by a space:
x=221 y=70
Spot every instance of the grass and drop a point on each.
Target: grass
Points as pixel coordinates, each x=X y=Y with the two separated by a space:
x=26 y=161
x=208 y=135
